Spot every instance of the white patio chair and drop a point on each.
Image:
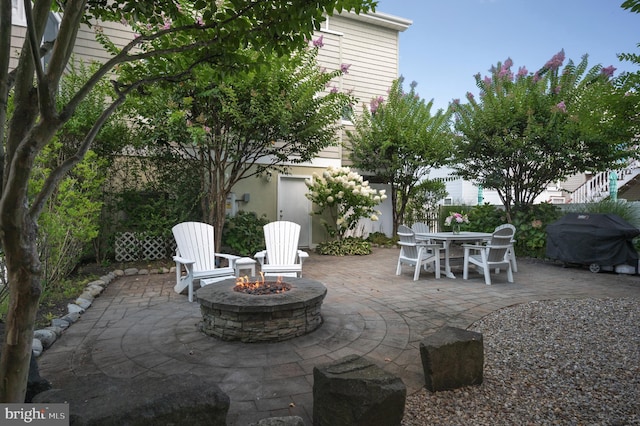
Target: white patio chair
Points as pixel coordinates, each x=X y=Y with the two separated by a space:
x=282 y=256
x=511 y=254
x=416 y=253
x=420 y=227
x=196 y=258
x=494 y=255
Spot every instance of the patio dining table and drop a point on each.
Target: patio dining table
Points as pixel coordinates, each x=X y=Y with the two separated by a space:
x=449 y=237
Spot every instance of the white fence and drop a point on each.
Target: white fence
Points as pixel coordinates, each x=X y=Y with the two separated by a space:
x=133 y=246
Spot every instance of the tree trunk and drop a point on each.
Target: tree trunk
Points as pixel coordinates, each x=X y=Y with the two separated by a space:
x=24 y=274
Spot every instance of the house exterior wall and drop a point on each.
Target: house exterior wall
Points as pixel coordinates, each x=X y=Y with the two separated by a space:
x=369 y=45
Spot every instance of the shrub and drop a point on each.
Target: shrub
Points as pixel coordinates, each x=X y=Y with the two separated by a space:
x=530 y=222
x=380 y=239
x=348 y=246
x=346 y=196
x=243 y=234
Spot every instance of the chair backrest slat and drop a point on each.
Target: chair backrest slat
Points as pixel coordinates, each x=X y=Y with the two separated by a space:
x=407 y=242
x=502 y=236
x=281 y=240
x=195 y=241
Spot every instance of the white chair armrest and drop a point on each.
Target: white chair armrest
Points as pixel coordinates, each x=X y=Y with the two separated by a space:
x=183 y=260
x=230 y=257
x=302 y=254
x=260 y=256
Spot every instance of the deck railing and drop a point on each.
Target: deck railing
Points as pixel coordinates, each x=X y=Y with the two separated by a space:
x=597 y=188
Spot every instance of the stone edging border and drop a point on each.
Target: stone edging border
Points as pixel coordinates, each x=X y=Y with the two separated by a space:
x=45 y=337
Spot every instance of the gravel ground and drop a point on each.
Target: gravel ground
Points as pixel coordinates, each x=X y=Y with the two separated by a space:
x=561 y=362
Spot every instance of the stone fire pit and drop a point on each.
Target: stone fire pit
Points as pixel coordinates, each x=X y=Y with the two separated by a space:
x=232 y=315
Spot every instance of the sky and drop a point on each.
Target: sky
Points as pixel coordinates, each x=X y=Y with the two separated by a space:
x=452 y=40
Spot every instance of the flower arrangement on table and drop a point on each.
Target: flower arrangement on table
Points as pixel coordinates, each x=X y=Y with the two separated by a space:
x=455 y=220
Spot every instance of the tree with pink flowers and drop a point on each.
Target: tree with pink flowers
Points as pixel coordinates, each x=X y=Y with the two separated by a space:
x=528 y=129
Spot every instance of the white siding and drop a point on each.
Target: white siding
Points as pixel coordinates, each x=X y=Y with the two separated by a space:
x=369 y=45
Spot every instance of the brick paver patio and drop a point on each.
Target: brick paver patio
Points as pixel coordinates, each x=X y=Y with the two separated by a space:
x=140 y=327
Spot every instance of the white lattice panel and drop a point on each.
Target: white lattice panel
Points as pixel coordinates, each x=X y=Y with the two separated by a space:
x=131 y=246
x=127 y=247
x=153 y=248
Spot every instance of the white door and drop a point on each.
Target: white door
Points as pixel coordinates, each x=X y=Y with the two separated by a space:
x=294 y=206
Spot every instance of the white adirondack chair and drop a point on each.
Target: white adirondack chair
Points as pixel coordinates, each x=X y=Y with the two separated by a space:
x=196 y=257
x=416 y=253
x=493 y=255
x=511 y=254
x=282 y=256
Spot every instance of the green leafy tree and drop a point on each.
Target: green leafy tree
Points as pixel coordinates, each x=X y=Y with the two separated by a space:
x=530 y=129
x=631 y=78
x=244 y=125
x=213 y=31
x=398 y=140
x=423 y=201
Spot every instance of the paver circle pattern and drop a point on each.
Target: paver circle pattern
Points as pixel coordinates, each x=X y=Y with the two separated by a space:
x=139 y=327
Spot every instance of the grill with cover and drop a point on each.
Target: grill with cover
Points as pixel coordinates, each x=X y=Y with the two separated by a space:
x=594 y=239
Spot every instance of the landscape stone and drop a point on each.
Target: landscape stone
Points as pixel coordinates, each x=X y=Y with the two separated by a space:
x=131 y=271
x=73 y=308
x=71 y=317
x=56 y=329
x=83 y=303
x=452 y=358
x=47 y=337
x=99 y=283
x=175 y=400
x=94 y=290
x=36 y=347
x=280 y=421
x=61 y=323
x=353 y=391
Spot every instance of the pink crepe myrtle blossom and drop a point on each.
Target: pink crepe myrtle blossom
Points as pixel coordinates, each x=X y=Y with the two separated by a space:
x=318 y=42
x=487 y=81
x=207 y=129
x=334 y=89
x=199 y=21
x=556 y=61
x=505 y=72
x=167 y=24
x=345 y=68
x=561 y=106
x=470 y=96
x=375 y=104
x=522 y=72
x=608 y=71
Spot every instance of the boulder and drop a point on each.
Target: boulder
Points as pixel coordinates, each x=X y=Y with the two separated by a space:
x=106 y=401
x=353 y=391
x=452 y=358
x=280 y=421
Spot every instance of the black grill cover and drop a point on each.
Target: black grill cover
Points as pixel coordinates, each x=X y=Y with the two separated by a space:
x=586 y=238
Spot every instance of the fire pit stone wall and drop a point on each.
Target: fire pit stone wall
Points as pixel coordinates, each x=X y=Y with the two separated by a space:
x=231 y=315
